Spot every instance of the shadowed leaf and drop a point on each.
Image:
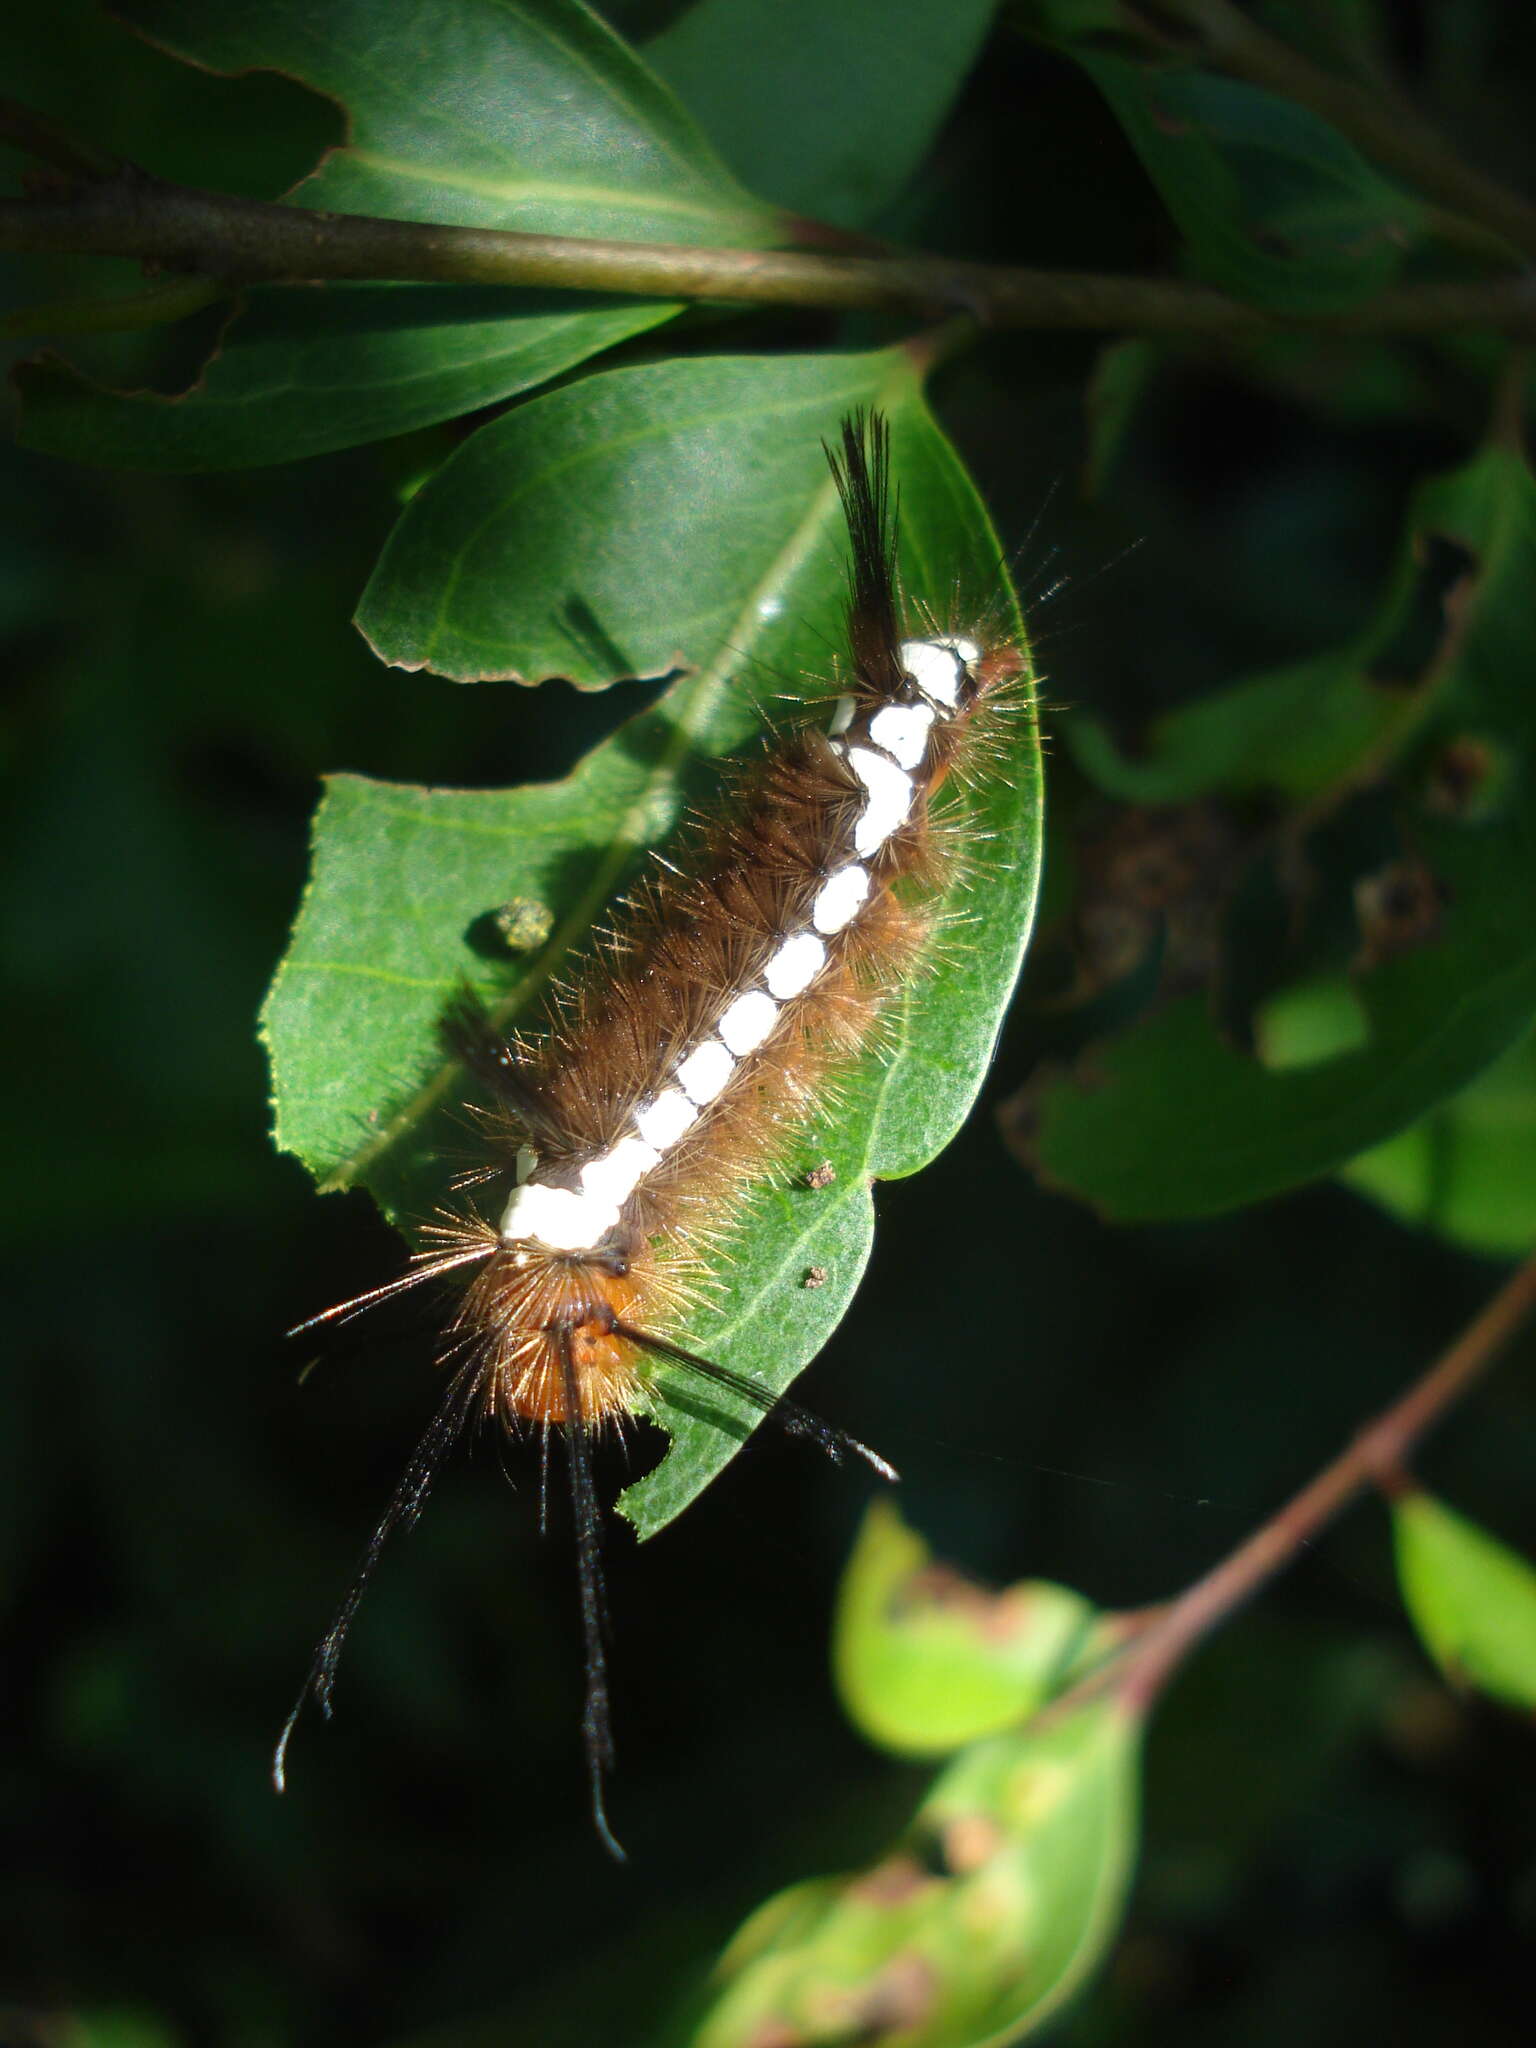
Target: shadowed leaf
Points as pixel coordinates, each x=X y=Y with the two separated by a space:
x=1274 y=204
x=826 y=110
x=1170 y=1119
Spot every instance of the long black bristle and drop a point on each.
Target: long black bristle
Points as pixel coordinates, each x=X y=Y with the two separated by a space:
x=406 y=1503
x=596 y=1721
x=789 y=1415
x=862 y=473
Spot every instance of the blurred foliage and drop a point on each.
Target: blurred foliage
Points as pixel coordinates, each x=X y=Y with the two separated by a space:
x=1472 y=1599
x=926 y=1661
x=1288 y=618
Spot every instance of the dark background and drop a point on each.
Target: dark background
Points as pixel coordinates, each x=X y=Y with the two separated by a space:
x=1334 y=1843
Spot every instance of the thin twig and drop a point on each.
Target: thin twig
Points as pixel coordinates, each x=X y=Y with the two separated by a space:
x=1377 y=1455
x=234 y=240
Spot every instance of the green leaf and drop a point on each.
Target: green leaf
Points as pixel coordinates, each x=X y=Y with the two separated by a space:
x=1063 y=22
x=401 y=876
x=1467 y=1171
x=564 y=538
x=1305 y=731
x=927 y=1661
x=976 y=1928
x=527 y=114
x=304 y=372
x=1274 y=205
x=827 y=110
x=1471 y=1598
x=1122 y=375
x=524 y=114
x=1296 y=732
x=1171 y=1120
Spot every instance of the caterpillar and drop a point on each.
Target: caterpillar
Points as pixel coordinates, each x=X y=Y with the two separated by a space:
x=630 y=1131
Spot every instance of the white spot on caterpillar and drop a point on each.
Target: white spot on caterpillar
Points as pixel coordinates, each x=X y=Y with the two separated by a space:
x=795 y=966
x=611 y=1178
x=748 y=1021
x=901 y=730
x=890 y=799
x=527 y=1160
x=663 y=1120
x=842 y=715
x=938 y=667
x=557 y=1217
x=705 y=1071
x=839 y=899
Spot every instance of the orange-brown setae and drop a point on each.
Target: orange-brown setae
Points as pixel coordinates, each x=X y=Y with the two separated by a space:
x=516 y=1311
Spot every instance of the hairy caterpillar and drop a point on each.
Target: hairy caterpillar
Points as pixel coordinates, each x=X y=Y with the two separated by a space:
x=713 y=1018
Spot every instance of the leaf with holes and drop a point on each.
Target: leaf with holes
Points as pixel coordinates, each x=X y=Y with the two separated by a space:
x=982 y=1921
x=521 y=114
x=1170 y=1119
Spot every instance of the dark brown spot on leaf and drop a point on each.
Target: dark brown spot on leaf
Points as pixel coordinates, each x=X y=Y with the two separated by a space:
x=1460 y=778
x=1399 y=909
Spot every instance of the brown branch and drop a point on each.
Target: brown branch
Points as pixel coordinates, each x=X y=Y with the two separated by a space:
x=1386 y=129
x=1377 y=1456
x=239 y=241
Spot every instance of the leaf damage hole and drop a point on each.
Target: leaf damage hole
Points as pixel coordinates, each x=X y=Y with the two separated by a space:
x=1433 y=617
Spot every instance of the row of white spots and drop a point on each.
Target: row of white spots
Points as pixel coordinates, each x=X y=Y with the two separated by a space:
x=901 y=730
x=840 y=898
x=890 y=798
x=938 y=667
x=568 y=1219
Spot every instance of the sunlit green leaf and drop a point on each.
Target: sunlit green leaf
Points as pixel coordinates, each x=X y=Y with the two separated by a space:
x=976 y=1927
x=523 y=114
x=401 y=876
x=927 y=1660
x=1472 y=1599
x=564 y=538
x=1171 y=1119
